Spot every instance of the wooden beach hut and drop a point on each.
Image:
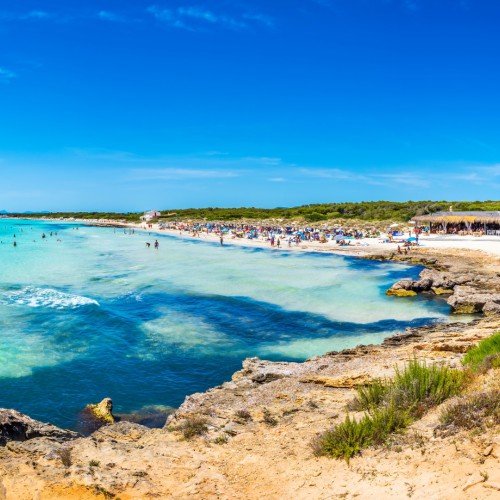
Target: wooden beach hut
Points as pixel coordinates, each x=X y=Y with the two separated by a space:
x=461 y=222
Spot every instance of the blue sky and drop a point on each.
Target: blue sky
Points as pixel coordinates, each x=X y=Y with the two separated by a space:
x=130 y=105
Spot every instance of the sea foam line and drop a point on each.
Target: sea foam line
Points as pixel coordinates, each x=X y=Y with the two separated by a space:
x=44 y=297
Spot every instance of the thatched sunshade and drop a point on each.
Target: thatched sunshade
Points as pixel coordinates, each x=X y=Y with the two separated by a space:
x=460 y=217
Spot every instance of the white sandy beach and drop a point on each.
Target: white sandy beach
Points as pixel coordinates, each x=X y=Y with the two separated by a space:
x=488 y=244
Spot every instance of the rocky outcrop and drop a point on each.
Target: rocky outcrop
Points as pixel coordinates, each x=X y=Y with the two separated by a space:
x=430 y=280
x=263 y=372
x=468 y=300
x=15 y=426
x=469 y=293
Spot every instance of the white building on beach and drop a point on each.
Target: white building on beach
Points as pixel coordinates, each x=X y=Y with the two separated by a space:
x=149 y=216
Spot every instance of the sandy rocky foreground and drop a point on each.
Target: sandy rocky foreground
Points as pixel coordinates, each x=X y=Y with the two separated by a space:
x=261 y=460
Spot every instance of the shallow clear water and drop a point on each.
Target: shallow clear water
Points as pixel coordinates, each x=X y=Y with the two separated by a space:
x=97 y=314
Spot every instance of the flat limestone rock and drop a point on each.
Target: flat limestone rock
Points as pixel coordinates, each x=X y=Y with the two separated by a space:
x=337 y=382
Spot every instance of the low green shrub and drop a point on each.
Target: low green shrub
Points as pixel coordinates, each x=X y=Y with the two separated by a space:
x=415 y=386
x=348 y=438
x=485 y=355
x=370 y=395
x=419 y=385
x=344 y=440
x=390 y=406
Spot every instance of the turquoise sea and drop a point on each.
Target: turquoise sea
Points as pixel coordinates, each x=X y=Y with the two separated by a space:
x=92 y=313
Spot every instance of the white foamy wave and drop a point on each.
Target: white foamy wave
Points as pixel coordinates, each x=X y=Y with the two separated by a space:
x=44 y=297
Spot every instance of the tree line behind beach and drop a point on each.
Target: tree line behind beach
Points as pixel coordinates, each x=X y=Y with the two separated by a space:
x=365 y=211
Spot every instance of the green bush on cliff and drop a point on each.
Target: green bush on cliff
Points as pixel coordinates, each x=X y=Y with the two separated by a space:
x=390 y=405
x=370 y=395
x=417 y=384
x=348 y=438
x=485 y=355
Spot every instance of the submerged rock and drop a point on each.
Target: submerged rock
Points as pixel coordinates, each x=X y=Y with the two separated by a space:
x=15 y=426
x=153 y=416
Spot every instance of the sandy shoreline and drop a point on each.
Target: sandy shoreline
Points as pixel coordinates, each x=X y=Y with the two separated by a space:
x=364 y=246
x=489 y=245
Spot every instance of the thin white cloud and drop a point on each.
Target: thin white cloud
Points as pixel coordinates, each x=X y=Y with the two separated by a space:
x=264 y=160
x=482 y=174
x=105 y=15
x=406 y=179
x=6 y=75
x=38 y=14
x=332 y=173
x=196 y=17
x=277 y=179
x=198 y=13
x=419 y=177
x=176 y=174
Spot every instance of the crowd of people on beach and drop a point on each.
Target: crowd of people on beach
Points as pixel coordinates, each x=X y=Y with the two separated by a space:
x=274 y=234
x=286 y=236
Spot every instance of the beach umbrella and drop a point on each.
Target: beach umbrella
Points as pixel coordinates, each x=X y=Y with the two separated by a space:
x=395 y=225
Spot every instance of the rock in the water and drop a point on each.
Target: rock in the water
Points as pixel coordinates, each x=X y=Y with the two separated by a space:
x=400 y=292
x=15 y=426
x=94 y=416
x=103 y=410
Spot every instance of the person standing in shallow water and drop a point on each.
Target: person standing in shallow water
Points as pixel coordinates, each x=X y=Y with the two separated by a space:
x=221 y=240
x=156 y=244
